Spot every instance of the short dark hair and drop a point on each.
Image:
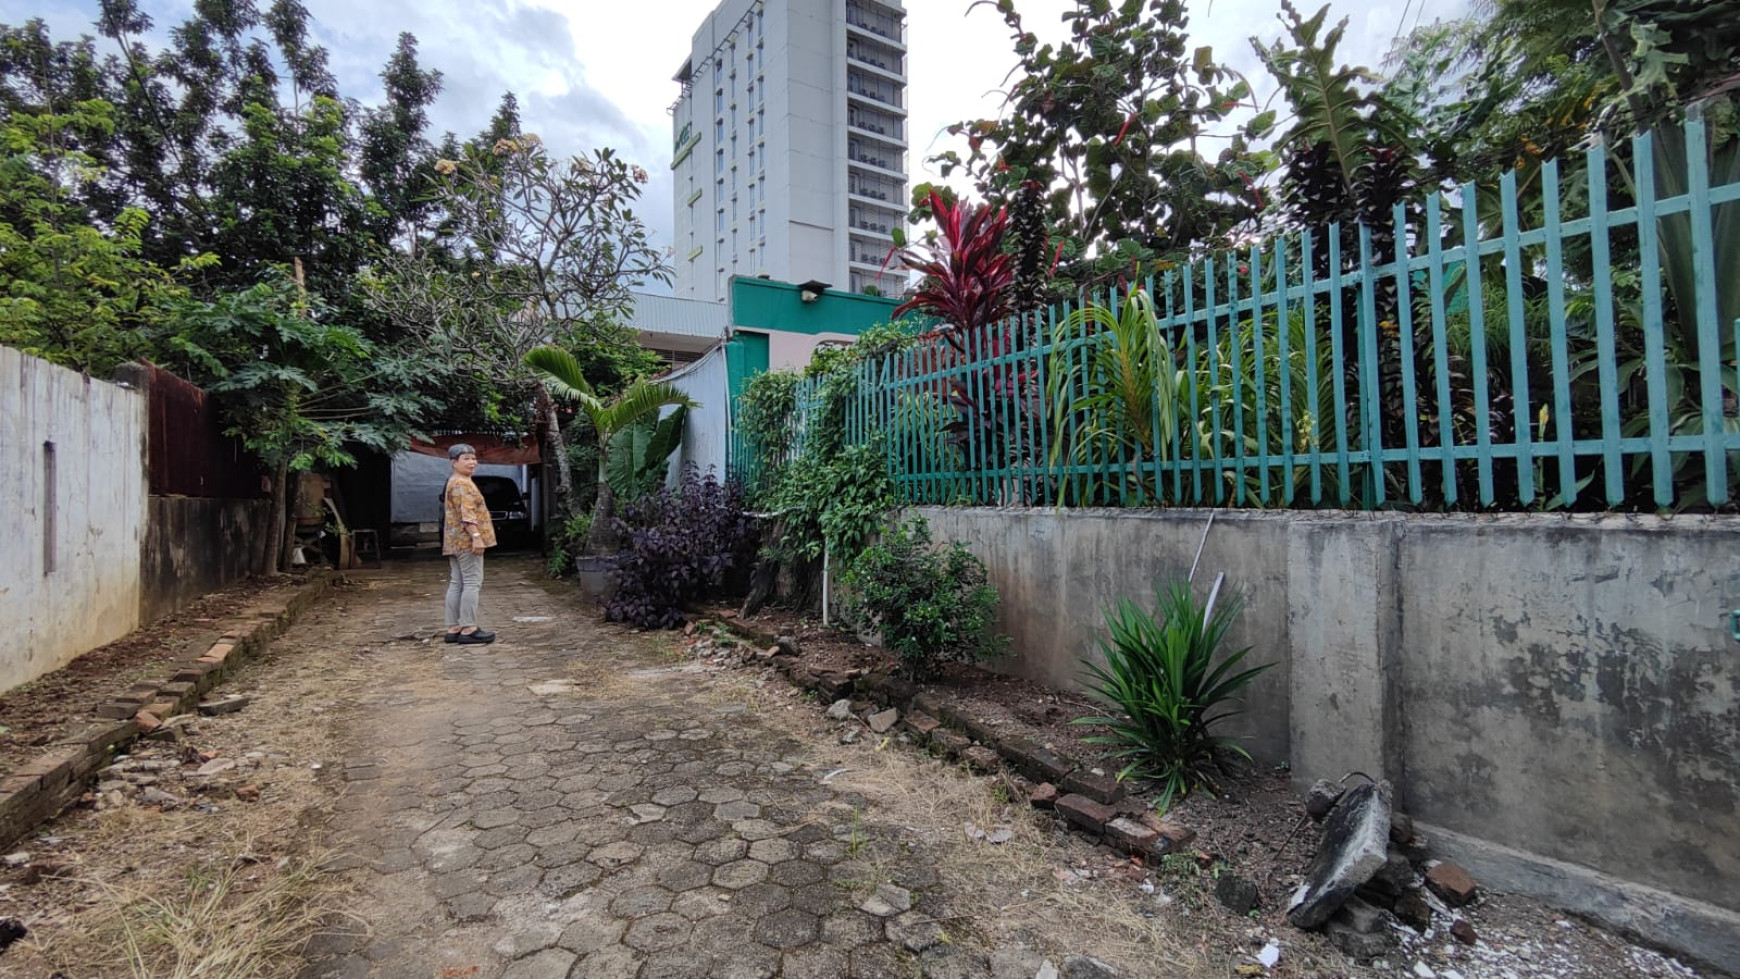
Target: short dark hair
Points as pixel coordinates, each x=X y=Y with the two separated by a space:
x=458 y=449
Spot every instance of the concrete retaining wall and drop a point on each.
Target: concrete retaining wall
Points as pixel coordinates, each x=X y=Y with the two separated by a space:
x=195 y=546
x=72 y=509
x=1560 y=687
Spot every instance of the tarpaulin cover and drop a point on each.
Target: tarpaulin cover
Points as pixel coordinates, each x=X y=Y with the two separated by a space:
x=491 y=449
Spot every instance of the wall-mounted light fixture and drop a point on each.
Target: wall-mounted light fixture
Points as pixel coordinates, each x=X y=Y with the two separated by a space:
x=812 y=290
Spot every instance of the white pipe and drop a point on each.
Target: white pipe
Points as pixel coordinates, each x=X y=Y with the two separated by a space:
x=825 y=550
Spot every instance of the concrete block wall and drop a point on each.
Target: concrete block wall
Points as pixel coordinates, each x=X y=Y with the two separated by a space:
x=1559 y=697
x=72 y=507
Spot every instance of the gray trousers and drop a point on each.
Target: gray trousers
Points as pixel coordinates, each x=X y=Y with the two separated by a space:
x=463 y=583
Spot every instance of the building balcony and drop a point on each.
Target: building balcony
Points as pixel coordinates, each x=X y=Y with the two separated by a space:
x=876 y=20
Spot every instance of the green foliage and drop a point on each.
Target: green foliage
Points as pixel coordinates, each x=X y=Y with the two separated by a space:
x=930 y=604
x=1123 y=391
x=836 y=503
x=764 y=422
x=298 y=390
x=567 y=541
x=72 y=291
x=610 y=417
x=1162 y=676
x=640 y=456
x=1109 y=122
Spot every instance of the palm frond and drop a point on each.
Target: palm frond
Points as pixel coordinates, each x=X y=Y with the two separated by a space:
x=636 y=401
x=562 y=372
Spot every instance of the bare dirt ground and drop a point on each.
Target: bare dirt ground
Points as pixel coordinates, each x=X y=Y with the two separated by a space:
x=50 y=706
x=580 y=800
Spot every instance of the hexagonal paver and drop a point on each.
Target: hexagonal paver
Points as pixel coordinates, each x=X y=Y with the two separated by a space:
x=646 y=812
x=786 y=929
x=740 y=874
x=685 y=876
x=564 y=882
x=755 y=829
x=552 y=963
x=695 y=905
x=614 y=855
x=524 y=941
x=796 y=873
x=731 y=812
x=772 y=851
x=721 y=793
x=827 y=852
x=815 y=962
x=589 y=935
x=675 y=795
x=491 y=818
x=657 y=933
x=722 y=851
x=639 y=902
x=609 y=963
x=762 y=899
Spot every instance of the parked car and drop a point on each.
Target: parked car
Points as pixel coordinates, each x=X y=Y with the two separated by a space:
x=507 y=509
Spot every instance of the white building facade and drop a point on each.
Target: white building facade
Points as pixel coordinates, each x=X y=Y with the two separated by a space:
x=790 y=145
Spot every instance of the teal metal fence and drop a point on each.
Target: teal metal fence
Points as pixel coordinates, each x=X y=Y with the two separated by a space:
x=1484 y=349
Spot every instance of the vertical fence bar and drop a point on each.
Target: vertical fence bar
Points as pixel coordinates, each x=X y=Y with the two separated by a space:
x=1405 y=339
x=1116 y=461
x=1370 y=384
x=1072 y=441
x=1195 y=369
x=1209 y=308
x=1315 y=445
x=1236 y=347
x=1177 y=409
x=1477 y=341
x=968 y=378
x=1047 y=349
x=1704 y=287
x=1519 y=354
x=1440 y=356
x=1560 y=349
x=1343 y=471
x=1260 y=424
x=1654 y=345
x=1606 y=353
x=1284 y=339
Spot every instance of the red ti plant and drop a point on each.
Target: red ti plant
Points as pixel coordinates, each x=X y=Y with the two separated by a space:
x=969 y=284
x=967 y=274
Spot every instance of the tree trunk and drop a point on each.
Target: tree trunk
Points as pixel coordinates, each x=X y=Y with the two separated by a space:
x=558 y=449
x=603 y=538
x=275 y=536
x=292 y=499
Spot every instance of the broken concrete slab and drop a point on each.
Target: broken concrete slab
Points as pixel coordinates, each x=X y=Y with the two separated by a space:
x=1355 y=847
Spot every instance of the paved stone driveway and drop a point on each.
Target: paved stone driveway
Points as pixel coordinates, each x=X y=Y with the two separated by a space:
x=569 y=803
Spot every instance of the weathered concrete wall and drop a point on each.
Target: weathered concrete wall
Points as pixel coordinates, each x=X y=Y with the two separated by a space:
x=1058 y=570
x=74 y=525
x=1562 y=687
x=194 y=546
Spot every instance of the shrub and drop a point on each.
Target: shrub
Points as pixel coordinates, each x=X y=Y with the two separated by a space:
x=1161 y=673
x=931 y=603
x=681 y=541
x=568 y=540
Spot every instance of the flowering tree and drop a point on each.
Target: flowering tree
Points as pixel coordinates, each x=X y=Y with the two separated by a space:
x=534 y=251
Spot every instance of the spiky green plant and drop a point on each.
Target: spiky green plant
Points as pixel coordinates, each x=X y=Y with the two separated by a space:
x=1170 y=688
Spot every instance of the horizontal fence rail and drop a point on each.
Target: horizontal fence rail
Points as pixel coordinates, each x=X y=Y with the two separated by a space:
x=1484 y=349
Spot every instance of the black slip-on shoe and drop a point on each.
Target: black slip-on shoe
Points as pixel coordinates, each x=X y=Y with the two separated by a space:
x=451 y=637
x=478 y=638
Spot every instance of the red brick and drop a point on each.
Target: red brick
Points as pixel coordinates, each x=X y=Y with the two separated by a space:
x=1100 y=788
x=1086 y=813
x=1173 y=836
x=1044 y=796
x=148 y=721
x=921 y=724
x=1132 y=835
x=219 y=651
x=982 y=759
x=1452 y=883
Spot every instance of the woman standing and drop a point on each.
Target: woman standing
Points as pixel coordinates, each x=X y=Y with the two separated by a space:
x=466 y=533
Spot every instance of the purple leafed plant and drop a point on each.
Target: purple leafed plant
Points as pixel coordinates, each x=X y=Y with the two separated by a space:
x=681 y=542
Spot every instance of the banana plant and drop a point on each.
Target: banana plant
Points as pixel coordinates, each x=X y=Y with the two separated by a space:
x=640 y=457
x=562 y=374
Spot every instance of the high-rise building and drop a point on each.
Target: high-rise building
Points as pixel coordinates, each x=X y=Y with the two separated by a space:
x=790 y=145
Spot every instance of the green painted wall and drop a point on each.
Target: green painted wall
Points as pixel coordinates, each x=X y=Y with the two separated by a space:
x=763 y=304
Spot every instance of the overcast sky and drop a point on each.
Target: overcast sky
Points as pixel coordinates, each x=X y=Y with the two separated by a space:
x=598 y=72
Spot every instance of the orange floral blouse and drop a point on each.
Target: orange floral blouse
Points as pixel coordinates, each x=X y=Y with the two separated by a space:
x=463 y=503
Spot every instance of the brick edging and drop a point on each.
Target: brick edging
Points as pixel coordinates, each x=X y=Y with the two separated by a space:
x=1092 y=804
x=42 y=788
